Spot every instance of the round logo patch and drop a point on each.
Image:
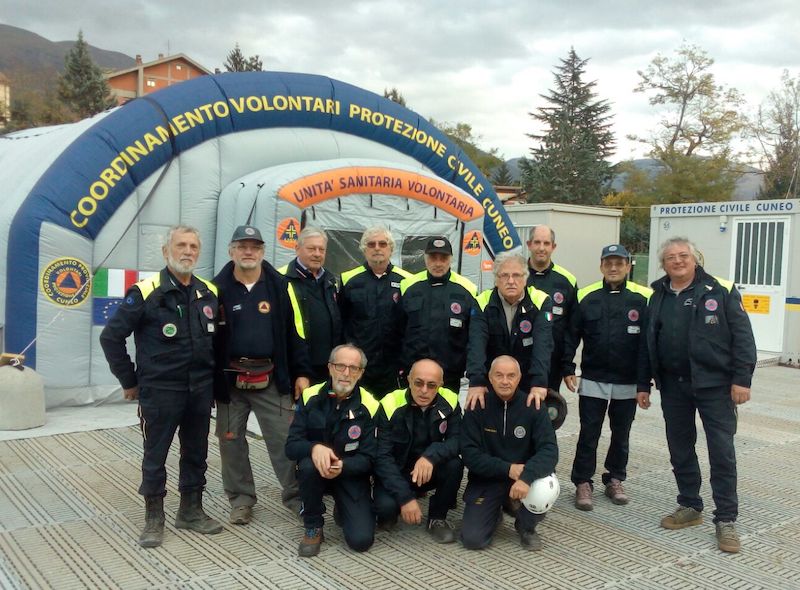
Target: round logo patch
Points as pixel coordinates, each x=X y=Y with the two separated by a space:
x=711 y=305
x=65 y=282
x=395 y=296
x=249 y=231
x=208 y=311
x=263 y=306
x=519 y=431
x=525 y=326
x=443 y=427
x=354 y=432
x=558 y=297
x=633 y=315
x=438 y=243
x=455 y=307
x=169 y=330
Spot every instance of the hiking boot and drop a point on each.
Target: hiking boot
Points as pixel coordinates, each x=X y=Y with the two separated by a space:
x=441 y=531
x=727 y=539
x=531 y=541
x=583 y=496
x=615 y=492
x=153 y=532
x=311 y=542
x=241 y=515
x=682 y=517
x=191 y=515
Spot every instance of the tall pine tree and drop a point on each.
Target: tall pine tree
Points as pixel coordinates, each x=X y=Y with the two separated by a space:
x=237 y=62
x=570 y=162
x=82 y=87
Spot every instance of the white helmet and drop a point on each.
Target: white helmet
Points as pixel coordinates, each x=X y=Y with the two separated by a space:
x=542 y=495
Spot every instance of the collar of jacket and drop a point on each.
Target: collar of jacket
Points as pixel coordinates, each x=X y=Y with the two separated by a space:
x=533 y=271
x=438 y=280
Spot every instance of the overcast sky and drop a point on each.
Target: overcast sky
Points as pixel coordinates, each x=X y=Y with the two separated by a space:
x=483 y=62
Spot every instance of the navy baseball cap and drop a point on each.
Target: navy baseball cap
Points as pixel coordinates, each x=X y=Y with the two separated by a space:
x=247 y=232
x=615 y=250
x=439 y=244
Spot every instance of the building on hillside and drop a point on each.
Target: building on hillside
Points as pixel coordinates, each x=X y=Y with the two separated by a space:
x=5 y=101
x=511 y=194
x=144 y=78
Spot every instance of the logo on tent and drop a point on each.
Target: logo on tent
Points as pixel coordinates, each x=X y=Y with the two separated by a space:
x=287 y=232
x=65 y=282
x=472 y=243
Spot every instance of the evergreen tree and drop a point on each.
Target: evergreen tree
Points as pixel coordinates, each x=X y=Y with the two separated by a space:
x=237 y=62
x=569 y=164
x=82 y=87
x=502 y=175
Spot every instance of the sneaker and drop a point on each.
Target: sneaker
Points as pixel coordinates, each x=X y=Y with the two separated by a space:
x=441 y=531
x=531 y=541
x=311 y=542
x=682 y=517
x=583 y=496
x=727 y=539
x=241 y=515
x=615 y=492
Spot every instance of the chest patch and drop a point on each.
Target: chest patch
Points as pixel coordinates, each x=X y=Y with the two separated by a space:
x=263 y=306
x=519 y=432
x=558 y=297
x=525 y=326
x=442 y=427
x=711 y=305
x=633 y=315
x=354 y=432
x=455 y=307
x=169 y=330
x=209 y=313
x=712 y=319
x=395 y=296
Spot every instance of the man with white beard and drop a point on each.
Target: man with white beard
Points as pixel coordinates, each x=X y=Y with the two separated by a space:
x=173 y=318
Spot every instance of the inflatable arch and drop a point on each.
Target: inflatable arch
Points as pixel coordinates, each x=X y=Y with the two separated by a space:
x=283 y=150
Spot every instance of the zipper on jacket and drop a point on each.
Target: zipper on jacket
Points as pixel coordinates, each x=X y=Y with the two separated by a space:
x=505 y=411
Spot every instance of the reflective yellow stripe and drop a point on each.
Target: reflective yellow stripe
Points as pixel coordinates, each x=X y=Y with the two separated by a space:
x=211 y=286
x=464 y=282
x=346 y=276
x=147 y=286
x=565 y=273
x=450 y=396
x=725 y=283
x=392 y=401
x=369 y=402
x=589 y=289
x=483 y=298
x=298 y=314
x=413 y=279
x=310 y=392
x=645 y=292
x=537 y=296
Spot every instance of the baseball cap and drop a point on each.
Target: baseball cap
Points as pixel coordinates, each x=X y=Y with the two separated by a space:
x=615 y=250
x=247 y=232
x=439 y=244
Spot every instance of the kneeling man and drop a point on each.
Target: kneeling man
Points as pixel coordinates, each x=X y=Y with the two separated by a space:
x=506 y=446
x=332 y=438
x=418 y=430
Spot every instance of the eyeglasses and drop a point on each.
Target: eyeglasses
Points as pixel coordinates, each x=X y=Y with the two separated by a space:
x=245 y=247
x=516 y=276
x=420 y=384
x=378 y=244
x=675 y=257
x=341 y=368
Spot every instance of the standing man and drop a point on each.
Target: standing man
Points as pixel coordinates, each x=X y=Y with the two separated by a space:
x=262 y=359
x=516 y=321
x=561 y=286
x=369 y=302
x=418 y=429
x=437 y=307
x=313 y=291
x=702 y=354
x=610 y=317
x=173 y=320
x=506 y=446
x=332 y=438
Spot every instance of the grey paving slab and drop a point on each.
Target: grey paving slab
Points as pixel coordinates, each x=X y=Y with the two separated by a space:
x=70 y=518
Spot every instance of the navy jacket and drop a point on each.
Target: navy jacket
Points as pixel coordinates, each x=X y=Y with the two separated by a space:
x=502 y=433
x=173 y=328
x=395 y=431
x=722 y=348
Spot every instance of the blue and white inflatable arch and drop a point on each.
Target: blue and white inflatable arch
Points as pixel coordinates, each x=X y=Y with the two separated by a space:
x=115 y=185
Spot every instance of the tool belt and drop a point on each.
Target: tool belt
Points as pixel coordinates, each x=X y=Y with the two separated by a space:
x=251 y=373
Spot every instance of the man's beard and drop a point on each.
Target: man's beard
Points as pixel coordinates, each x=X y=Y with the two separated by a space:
x=178 y=267
x=343 y=390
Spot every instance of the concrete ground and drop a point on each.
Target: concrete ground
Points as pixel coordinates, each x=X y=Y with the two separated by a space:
x=70 y=518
